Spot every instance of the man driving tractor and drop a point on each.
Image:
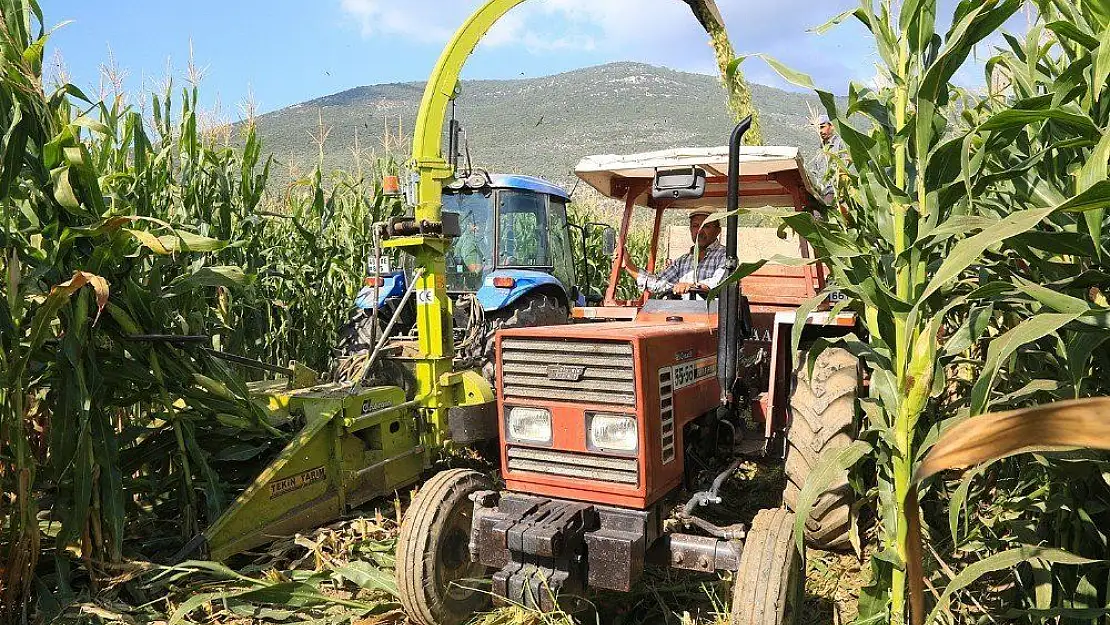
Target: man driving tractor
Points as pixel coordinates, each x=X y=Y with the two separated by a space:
x=679 y=278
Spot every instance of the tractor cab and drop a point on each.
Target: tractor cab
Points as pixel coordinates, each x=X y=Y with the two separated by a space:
x=512 y=257
x=513 y=238
x=653 y=182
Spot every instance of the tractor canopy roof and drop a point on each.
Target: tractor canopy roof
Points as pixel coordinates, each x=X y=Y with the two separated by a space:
x=527 y=183
x=769 y=176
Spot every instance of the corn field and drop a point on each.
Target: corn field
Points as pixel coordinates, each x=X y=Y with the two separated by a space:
x=117 y=226
x=970 y=243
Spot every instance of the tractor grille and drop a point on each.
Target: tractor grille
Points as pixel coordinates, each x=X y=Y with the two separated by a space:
x=574 y=371
x=577 y=465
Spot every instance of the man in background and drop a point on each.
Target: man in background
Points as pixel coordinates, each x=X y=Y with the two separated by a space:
x=824 y=165
x=682 y=276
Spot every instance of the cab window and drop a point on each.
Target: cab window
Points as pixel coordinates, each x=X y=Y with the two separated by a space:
x=522 y=218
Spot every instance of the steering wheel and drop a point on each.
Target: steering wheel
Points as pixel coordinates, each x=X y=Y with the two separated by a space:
x=697 y=292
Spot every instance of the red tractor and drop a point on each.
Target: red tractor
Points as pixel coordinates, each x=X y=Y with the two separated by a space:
x=601 y=421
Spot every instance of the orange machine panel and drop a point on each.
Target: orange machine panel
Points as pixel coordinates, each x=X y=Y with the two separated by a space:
x=661 y=373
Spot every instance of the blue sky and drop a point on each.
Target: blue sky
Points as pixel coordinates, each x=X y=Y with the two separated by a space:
x=286 y=52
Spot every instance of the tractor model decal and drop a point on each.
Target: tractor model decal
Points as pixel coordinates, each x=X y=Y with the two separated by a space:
x=666 y=412
x=695 y=371
x=287 y=485
x=671 y=379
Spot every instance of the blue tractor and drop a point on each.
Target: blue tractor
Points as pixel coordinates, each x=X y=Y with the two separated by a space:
x=511 y=266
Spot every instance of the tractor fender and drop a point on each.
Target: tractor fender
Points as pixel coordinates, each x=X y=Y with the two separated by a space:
x=525 y=281
x=393 y=286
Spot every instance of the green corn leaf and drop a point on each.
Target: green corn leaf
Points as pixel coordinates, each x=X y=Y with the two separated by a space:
x=1102 y=64
x=964 y=35
x=1002 y=347
x=151 y=242
x=834 y=22
x=1013 y=119
x=1031 y=388
x=968 y=251
x=193 y=603
x=369 y=577
x=227 y=277
x=294 y=595
x=959 y=499
x=190 y=242
x=971 y=330
x=792 y=76
x=64 y=192
x=827 y=469
x=800 y=316
x=1074 y=31
x=999 y=562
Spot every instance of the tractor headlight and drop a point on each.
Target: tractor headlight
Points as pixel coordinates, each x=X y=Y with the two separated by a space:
x=529 y=425
x=613 y=433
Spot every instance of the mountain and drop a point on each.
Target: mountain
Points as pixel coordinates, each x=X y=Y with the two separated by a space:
x=541 y=126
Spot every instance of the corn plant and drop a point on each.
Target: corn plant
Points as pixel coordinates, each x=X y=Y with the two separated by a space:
x=593 y=258
x=931 y=244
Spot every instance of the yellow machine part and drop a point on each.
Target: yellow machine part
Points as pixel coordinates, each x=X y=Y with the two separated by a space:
x=356 y=445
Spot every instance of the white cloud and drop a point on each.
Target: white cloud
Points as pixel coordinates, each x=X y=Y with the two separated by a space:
x=662 y=32
x=427 y=21
x=537 y=25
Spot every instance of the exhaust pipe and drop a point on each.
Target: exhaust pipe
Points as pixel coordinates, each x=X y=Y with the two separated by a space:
x=728 y=307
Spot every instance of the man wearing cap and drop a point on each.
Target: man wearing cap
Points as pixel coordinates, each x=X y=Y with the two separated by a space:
x=680 y=278
x=824 y=167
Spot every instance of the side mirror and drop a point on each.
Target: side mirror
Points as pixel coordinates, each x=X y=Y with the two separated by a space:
x=609 y=241
x=687 y=183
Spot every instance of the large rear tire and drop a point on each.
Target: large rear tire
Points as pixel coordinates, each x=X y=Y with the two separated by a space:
x=822 y=423
x=435 y=575
x=769 y=584
x=530 y=311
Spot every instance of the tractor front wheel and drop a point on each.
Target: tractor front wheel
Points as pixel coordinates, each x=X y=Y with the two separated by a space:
x=823 y=410
x=769 y=585
x=435 y=575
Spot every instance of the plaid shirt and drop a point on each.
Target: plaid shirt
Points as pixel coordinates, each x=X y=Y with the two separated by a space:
x=711 y=271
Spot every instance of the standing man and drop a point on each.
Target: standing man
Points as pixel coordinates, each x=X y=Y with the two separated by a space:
x=824 y=166
x=681 y=278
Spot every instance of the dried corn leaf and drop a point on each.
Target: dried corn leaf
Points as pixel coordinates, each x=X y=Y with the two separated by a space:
x=990 y=437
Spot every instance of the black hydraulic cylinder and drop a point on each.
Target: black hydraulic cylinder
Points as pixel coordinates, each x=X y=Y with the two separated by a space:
x=728 y=307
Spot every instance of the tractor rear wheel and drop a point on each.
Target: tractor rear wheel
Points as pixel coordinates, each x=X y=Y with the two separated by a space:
x=769 y=584
x=823 y=410
x=530 y=311
x=435 y=575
